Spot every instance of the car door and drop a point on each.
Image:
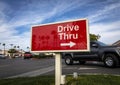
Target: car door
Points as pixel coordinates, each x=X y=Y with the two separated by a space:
x=94 y=50
x=91 y=55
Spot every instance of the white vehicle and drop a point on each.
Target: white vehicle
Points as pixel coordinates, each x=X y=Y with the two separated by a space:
x=2 y=56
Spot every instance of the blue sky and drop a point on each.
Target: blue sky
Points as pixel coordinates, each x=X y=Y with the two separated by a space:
x=17 y=17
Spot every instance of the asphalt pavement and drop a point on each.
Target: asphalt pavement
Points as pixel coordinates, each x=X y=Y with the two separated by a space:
x=19 y=67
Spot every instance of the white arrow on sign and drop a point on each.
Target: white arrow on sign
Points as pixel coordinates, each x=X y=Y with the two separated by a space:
x=71 y=44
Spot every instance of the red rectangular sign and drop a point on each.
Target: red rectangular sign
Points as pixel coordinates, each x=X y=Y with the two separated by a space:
x=69 y=36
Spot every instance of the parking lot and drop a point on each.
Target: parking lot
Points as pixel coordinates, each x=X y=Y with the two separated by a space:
x=32 y=67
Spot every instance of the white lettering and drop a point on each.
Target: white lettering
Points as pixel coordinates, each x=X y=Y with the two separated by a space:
x=60 y=28
x=64 y=32
x=68 y=28
x=60 y=34
x=64 y=36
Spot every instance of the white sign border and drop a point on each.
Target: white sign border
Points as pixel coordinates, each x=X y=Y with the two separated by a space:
x=56 y=51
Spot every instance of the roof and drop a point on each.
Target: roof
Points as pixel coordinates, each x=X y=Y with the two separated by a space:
x=117 y=43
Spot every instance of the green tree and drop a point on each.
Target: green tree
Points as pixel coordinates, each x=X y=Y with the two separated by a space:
x=94 y=37
x=12 y=51
x=11 y=46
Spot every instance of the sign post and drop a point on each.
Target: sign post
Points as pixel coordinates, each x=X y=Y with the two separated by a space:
x=58 y=69
x=69 y=36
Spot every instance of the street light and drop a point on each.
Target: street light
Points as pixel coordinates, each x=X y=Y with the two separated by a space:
x=4 y=48
x=28 y=49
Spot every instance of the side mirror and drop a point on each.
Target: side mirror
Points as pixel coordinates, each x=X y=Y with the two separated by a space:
x=95 y=45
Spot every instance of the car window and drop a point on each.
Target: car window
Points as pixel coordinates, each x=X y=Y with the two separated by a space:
x=101 y=43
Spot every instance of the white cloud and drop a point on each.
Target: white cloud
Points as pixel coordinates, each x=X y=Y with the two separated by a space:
x=103 y=13
x=36 y=13
x=46 y=11
x=105 y=27
x=109 y=32
x=68 y=5
x=110 y=37
x=26 y=16
x=3 y=16
x=22 y=40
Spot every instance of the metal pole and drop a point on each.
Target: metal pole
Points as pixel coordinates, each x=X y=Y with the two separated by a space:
x=4 y=47
x=58 y=69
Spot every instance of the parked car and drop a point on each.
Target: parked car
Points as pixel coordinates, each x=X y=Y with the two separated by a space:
x=110 y=55
x=16 y=56
x=27 y=55
x=2 y=56
x=46 y=54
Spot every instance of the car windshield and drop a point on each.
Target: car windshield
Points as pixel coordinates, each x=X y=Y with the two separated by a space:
x=102 y=44
x=27 y=53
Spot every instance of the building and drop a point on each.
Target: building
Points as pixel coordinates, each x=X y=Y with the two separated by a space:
x=18 y=53
x=4 y=52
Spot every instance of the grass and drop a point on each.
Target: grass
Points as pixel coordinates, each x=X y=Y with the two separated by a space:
x=94 y=80
x=39 y=80
x=50 y=80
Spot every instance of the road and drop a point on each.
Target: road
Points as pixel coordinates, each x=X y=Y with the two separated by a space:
x=19 y=66
x=32 y=67
x=90 y=67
